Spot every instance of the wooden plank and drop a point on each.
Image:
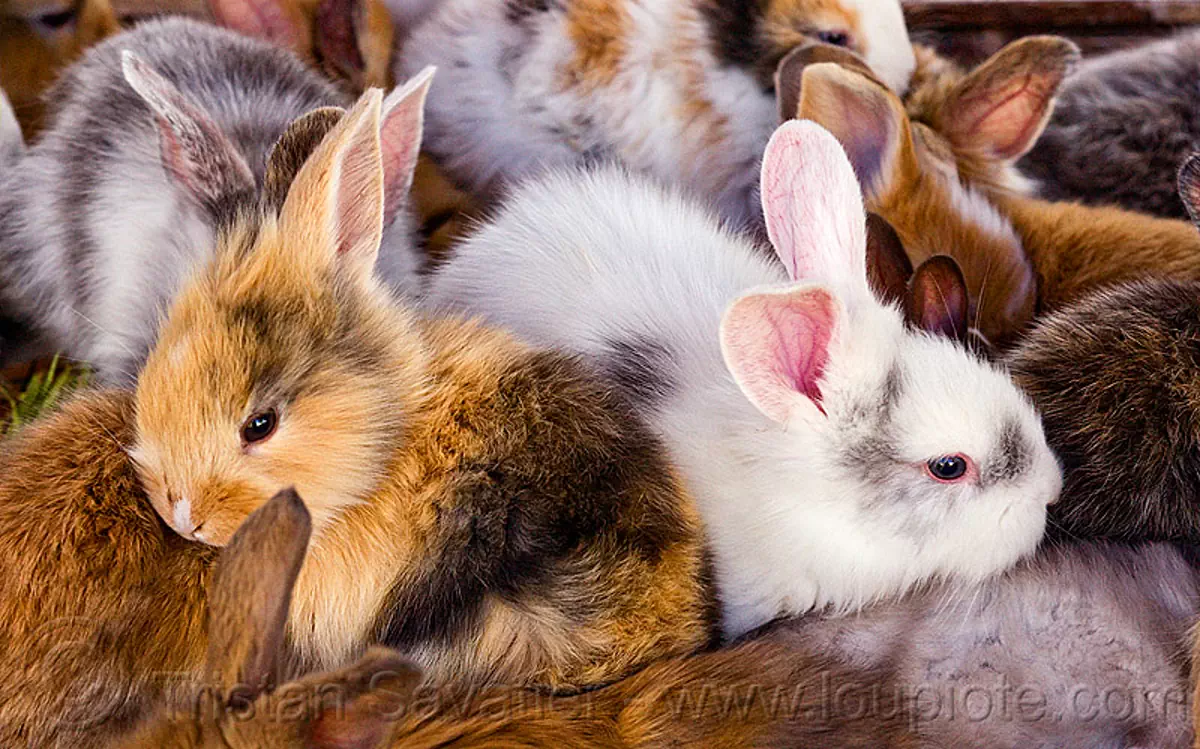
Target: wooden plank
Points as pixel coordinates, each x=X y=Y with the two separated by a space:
x=1049 y=14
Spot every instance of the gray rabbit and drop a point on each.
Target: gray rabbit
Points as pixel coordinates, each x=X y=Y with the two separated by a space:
x=1122 y=125
x=161 y=135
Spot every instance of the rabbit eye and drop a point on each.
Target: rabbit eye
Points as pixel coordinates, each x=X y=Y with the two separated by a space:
x=948 y=468
x=259 y=426
x=836 y=38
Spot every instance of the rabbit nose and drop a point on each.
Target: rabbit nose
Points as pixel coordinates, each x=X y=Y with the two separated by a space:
x=181 y=517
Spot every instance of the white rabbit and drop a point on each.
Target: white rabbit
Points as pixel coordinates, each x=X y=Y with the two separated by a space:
x=682 y=90
x=160 y=135
x=837 y=455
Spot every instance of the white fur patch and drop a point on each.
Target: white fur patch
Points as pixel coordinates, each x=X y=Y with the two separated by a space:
x=181 y=516
x=889 y=52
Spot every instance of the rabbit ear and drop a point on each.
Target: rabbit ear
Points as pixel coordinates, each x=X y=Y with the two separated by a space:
x=376 y=689
x=813 y=207
x=776 y=345
x=888 y=266
x=292 y=149
x=281 y=22
x=251 y=590
x=937 y=299
x=333 y=214
x=1189 y=187
x=194 y=150
x=355 y=38
x=400 y=135
x=789 y=73
x=1002 y=107
x=866 y=118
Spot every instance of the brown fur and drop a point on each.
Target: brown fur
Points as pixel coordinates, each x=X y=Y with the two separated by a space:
x=100 y=604
x=907 y=181
x=598 y=31
x=774 y=690
x=1073 y=248
x=1077 y=249
x=486 y=507
x=30 y=61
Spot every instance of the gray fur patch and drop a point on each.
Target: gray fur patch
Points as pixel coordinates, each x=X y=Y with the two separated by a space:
x=641 y=368
x=1013 y=456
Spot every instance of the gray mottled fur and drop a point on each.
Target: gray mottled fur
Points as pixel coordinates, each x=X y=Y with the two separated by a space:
x=94 y=234
x=1123 y=124
x=1044 y=644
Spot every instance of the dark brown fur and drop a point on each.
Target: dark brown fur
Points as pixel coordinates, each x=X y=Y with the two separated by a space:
x=98 y=599
x=1116 y=377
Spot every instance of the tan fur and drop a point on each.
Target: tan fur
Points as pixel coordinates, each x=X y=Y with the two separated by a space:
x=416 y=444
x=782 y=33
x=598 y=30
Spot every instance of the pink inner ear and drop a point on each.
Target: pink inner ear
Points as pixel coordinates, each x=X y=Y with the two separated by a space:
x=776 y=345
x=264 y=19
x=400 y=141
x=813 y=206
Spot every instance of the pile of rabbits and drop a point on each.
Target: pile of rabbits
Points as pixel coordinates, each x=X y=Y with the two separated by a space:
x=497 y=373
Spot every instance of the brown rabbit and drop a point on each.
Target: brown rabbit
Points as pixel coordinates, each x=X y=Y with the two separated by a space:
x=32 y=51
x=1074 y=249
x=915 y=177
x=488 y=508
x=98 y=597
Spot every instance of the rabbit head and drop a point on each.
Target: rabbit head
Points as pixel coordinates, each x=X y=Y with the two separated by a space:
x=939 y=459
x=912 y=174
x=285 y=360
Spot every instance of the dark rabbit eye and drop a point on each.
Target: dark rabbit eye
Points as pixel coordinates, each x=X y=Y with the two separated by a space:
x=837 y=38
x=259 y=426
x=56 y=20
x=948 y=467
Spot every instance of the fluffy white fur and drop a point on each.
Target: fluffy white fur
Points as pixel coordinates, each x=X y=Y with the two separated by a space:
x=798 y=516
x=506 y=104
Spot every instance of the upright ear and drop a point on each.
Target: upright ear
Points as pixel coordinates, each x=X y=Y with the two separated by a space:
x=937 y=299
x=866 y=118
x=251 y=590
x=355 y=39
x=1189 y=187
x=776 y=345
x=400 y=135
x=377 y=687
x=791 y=68
x=285 y=23
x=888 y=266
x=1001 y=108
x=293 y=148
x=194 y=150
x=813 y=207
x=333 y=213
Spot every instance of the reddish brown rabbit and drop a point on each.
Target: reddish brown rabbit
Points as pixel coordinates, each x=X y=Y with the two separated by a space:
x=1073 y=248
x=923 y=181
